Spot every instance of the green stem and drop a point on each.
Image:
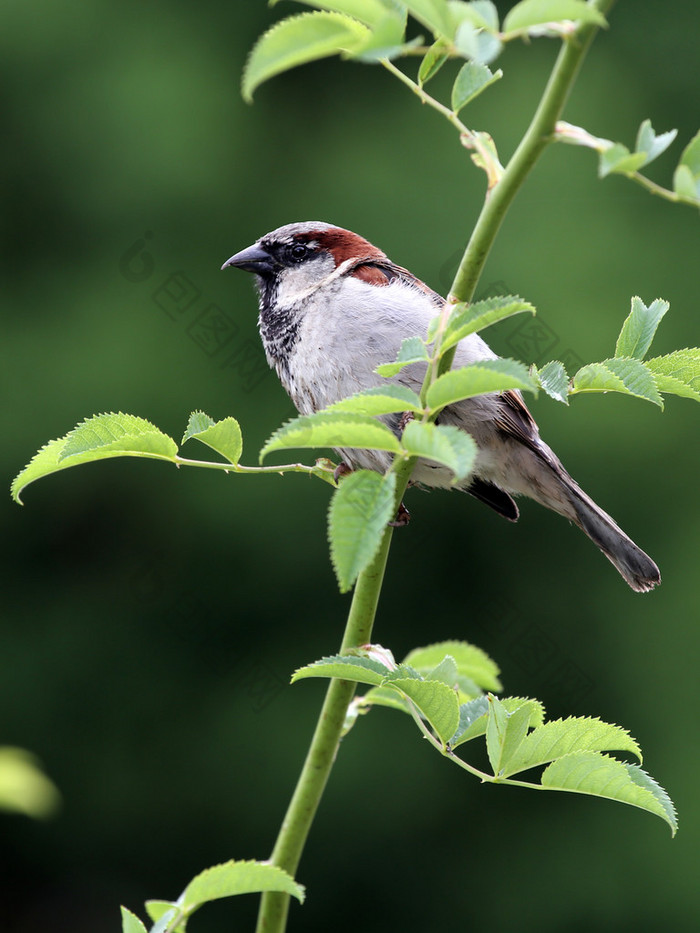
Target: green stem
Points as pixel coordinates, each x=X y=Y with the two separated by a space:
x=272 y=917
x=274 y=906
x=538 y=135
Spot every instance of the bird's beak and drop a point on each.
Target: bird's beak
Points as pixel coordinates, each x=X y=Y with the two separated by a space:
x=252 y=259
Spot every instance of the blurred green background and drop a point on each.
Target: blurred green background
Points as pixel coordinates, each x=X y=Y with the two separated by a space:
x=152 y=617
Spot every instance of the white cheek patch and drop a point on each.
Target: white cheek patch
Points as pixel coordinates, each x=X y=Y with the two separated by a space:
x=298 y=282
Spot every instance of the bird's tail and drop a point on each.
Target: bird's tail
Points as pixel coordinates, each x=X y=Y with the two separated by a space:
x=636 y=567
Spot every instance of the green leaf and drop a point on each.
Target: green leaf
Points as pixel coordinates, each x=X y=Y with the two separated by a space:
x=686 y=178
x=482 y=14
x=554 y=380
x=381 y=400
x=563 y=736
x=24 y=788
x=631 y=377
x=618 y=160
x=441 y=443
x=474 y=716
x=385 y=696
x=224 y=437
x=98 y=438
x=601 y=776
x=131 y=923
x=300 y=39
x=639 y=328
x=360 y=510
x=505 y=731
x=436 y=701
x=468 y=319
x=117 y=434
x=445 y=672
x=412 y=350
x=479 y=45
x=386 y=41
x=433 y=14
x=478 y=379
x=470 y=660
x=678 y=373
x=156 y=909
x=344 y=667
x=530 y=13
x=237 y=877
x=473 y=78
x=369 y=12
x=650 y=144
x=433 y=60
x=338 y=429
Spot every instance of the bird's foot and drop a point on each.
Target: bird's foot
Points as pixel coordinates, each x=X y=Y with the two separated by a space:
x=341 y=470
x=403 y=517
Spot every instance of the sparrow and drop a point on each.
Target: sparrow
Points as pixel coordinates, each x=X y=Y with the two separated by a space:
x=333 y=307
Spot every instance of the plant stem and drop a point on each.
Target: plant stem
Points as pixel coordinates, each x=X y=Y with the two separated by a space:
x=272 y=917
x=274 y=906
x=537 y=137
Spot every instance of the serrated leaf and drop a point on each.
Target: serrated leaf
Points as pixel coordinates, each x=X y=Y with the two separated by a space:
x=433 y=60
x=345 y=667
x=198 y=421
x=473 y=78
x=381 y=400
x=630 y=377
x=99 y=438
x=678 y=373
x=530 y=13
x=478 y=379
x=300 y=39
x=131 y=923
x=650 y=144
x=224 y=436
x=24 y=788
x=385 y=696
x=360 y=510
x=337 y=429
x=618 y=160
x=639 y=328
x=473 y=717
x=602 y=776
x=433 y=14
x=118 y=434
x=412 y=350
x=445 y=671
x=505 y=731
x=563 y=736
x=468 y=319
x=435 y=700
x=237 y=877
x=470 y=660
x=369 y=12
x=441 y=443
x=554 y=380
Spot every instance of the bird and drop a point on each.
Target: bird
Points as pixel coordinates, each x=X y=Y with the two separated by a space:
x=333 y=307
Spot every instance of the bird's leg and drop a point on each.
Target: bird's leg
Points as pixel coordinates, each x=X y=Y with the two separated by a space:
x=341 y=470
x=403 y=517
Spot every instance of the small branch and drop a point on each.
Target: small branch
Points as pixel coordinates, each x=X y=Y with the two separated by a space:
x=321 y=472
x=661 y=191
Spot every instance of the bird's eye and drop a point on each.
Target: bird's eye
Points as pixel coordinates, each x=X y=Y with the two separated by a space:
x=298 y=251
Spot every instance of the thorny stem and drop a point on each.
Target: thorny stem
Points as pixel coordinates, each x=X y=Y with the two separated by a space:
x=272 y=917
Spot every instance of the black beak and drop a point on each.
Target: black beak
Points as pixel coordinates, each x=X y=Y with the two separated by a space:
x=252 y=259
